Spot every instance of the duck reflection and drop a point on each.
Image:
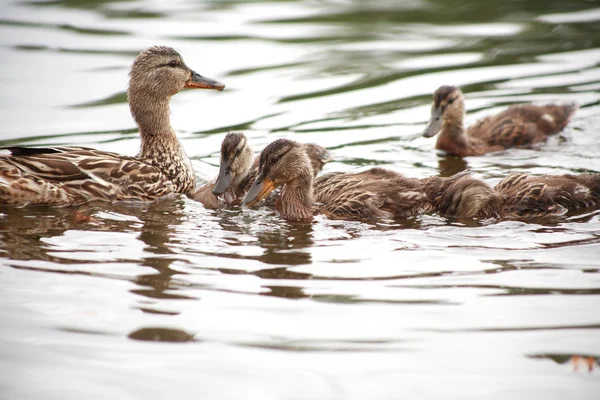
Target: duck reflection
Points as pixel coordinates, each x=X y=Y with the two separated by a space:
x=24 y=234
x=283 y=243
x=23 y=231
x=158 y=334
x=450 y=165
x=160 y=221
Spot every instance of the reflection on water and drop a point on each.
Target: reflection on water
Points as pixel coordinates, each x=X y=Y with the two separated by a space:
x=108 y=301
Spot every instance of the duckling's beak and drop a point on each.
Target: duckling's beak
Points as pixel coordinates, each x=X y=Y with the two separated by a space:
x=435 y=123
x=259 y=190
x=223 y=180
x=198 y=81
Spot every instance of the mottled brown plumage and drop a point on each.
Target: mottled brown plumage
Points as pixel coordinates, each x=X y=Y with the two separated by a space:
x=64 y=176
x=518 y=126
x=527 y=196
x=373 y=194
x=238 y=170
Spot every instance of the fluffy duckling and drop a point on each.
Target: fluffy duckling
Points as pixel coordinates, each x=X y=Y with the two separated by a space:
x=518 y=126
x=238 y=168
x=65 y=176
x=373 y=194
x=527 y=196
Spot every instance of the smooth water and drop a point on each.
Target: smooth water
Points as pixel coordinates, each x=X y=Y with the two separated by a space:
x=170 y=300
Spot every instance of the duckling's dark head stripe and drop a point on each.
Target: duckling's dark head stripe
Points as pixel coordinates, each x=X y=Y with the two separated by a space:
x=442 y=93
x=274 y=151
x=232 y=141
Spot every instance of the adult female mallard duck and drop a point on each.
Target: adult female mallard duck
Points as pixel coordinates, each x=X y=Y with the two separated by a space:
x=518 y=126
x=372 y=194
x=238 y=169
x=65 y=176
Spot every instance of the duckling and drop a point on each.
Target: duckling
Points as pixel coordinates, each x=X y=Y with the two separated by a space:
x=237 y=170
x=526 y=196
x=71 y=175
x=376 y=193
x=519 y=126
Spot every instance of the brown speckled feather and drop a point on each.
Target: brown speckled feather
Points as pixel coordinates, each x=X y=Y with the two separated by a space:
x=75 y=175
x=381 y=193
x=522 y=125
x=536 y=196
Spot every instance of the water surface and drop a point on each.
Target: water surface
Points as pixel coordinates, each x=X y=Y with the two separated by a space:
x=172 y=300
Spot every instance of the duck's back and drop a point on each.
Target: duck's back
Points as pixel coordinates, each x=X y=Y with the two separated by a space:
x=381 y=193
x=64 y=176
x=522 y=125
x=535 y=196
x=372 y=194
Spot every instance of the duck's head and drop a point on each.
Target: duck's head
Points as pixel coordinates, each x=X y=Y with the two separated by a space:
x=236 y=160
x=160 y=72
x=448 y=105
x=281 y=162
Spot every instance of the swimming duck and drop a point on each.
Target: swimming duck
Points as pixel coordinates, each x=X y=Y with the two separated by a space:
x=238 y=168
x=376 y=193
x=65 y=176
x=525 y=196
x=518 y=126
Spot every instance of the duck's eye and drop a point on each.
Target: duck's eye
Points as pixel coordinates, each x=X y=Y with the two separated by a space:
x=173 y=64
x=450 y=101
x=275 y=160
x=238 y=152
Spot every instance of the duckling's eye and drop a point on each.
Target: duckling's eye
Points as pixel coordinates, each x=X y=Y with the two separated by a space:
x=451 y=100
x=275 y=160
x=238 y=152
x=173 y=64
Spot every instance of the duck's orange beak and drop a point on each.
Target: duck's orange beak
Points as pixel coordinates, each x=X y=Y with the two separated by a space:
x=198 y=81
x=259 y=190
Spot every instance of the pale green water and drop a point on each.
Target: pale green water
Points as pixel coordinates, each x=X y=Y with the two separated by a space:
x=174 y=301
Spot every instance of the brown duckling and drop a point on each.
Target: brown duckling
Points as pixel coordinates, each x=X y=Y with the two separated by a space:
x=519 y=126
x=527 y=196
x=372 y=194
x=238 y=168
x=65 y=176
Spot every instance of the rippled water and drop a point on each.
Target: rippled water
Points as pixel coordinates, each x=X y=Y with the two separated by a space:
x=174 y=301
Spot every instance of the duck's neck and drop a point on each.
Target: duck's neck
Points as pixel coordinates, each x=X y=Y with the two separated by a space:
x=160 y=146
x=453 y=138
x=295 y=202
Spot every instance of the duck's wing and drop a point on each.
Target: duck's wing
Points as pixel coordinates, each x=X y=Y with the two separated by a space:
x=536 y=196
x=372 y=194
x=507 y=129
x=63 y=176
x=523 y=125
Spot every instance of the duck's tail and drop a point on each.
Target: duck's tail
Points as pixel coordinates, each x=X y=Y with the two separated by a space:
x=562 y=114
x=20 y=189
